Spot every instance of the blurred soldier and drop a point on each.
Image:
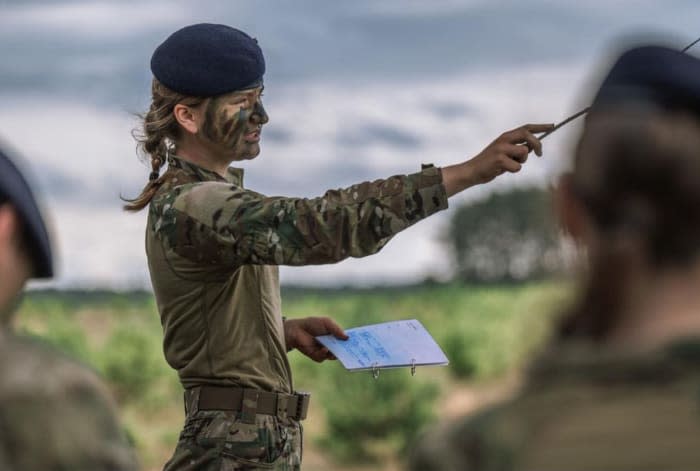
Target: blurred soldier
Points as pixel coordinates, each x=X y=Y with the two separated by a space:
x=619 y=388
x=54 y=413
x=213 y=246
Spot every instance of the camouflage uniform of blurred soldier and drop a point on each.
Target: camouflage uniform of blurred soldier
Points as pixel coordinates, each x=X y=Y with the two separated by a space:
x=619 y=388
x=213 y=247
x=54 y=413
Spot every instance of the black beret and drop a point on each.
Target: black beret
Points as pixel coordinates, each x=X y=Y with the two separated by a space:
x=207 y=60
x=15 y=191
x=654 y=75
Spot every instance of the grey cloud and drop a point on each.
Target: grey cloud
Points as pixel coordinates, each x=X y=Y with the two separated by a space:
x=60 y=187
x=304 y=39
x=344 y=169
x=451 y=110
x=340 y=41
x=58 y=184
x=377 y=133
x=277 y=134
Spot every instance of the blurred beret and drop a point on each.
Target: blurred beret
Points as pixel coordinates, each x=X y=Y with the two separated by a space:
x=207 y=60
x=652 y=75
x=15 y=191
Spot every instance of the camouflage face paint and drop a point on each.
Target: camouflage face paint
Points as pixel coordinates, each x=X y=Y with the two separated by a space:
x=221 y=128
x=238 y=131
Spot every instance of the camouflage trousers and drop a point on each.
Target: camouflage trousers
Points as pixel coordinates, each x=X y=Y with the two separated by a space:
x=217 y=440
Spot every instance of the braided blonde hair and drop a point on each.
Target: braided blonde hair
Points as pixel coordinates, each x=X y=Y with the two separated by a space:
x=157 y=137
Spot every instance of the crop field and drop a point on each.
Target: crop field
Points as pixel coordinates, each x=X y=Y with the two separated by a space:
x=356 y=422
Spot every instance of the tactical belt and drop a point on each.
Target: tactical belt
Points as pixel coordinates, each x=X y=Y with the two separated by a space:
x=253 y=401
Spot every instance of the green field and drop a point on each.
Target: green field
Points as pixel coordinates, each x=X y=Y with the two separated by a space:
x=487 y=333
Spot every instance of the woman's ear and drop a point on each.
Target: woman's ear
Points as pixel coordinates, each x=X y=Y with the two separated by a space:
x=13 y=248
x=187 y=117
x=569 y=209
x=9 y=226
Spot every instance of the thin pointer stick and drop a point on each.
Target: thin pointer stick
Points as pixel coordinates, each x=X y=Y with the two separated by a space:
x=685 y=49
x=566 y=121
x=585 y=110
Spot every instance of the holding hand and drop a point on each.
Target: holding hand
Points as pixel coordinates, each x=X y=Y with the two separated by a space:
x=300 y=333
x=506 y=154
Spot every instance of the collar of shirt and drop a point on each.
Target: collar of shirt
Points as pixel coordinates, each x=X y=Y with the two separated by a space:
x=233 y=175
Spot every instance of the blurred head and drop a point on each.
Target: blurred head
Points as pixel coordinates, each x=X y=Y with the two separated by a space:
x=633 y=196
x=206 y=94
x=636 y=184
x=25 y=251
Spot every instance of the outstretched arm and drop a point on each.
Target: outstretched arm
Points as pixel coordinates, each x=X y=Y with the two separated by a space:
x=505 y=154
x=223 y=224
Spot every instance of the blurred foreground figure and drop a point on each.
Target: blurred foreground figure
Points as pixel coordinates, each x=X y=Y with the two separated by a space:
x=213 y=246
x=619 y=388
x=54 y=413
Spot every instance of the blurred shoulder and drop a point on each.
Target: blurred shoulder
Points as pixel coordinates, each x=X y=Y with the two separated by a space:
x=489 y=439
x=55 y=413
x=593 y=408
x=606 y=408
x=32 y=367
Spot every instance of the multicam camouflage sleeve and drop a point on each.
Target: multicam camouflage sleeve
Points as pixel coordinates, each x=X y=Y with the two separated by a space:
x=221 y=223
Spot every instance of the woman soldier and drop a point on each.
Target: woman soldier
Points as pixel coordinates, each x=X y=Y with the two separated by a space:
x=619 y=389
x=213 y=246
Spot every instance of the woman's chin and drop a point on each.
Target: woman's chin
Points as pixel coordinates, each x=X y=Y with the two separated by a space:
x=251 y=152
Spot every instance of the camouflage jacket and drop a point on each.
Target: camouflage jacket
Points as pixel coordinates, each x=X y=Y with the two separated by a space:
x=583 y=409
x=55 y=414
x=213 y=247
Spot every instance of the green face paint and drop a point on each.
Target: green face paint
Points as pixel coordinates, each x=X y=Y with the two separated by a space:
x=238 y=132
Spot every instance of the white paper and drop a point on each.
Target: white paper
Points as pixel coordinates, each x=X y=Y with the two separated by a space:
x=386 y=345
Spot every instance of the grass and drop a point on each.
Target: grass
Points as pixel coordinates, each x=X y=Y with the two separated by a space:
x=485 y=331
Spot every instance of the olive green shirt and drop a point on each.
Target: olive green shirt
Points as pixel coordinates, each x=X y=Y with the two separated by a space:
x=213 y=249
x=583 y=409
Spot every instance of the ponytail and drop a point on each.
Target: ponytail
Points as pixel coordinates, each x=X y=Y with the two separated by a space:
x=599 y=307
x=156 y=139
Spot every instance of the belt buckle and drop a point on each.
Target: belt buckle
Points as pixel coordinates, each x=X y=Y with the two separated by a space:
x=283 y=403
x=249 y=405
x=303 y=399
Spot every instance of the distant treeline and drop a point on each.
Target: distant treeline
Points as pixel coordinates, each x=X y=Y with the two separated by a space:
x=78 y=297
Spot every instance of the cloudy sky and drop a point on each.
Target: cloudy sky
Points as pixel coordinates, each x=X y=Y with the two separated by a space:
x=355 y=90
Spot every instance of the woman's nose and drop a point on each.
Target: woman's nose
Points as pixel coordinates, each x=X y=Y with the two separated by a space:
x=259 y=115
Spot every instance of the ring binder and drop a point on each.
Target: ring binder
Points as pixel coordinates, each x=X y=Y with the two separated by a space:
x=395 y=344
